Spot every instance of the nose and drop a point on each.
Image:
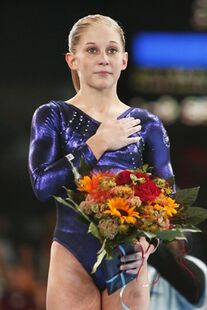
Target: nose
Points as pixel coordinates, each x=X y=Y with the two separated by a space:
x=103 y=59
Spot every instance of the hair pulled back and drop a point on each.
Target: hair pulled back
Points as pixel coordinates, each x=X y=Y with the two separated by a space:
x=80 y=27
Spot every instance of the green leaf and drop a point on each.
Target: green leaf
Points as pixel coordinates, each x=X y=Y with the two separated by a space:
x=68 y=191
x=101 y=253
x=187 y=196
x=100 y=257
x=170 y=235
x=78 y=209
x=143 y=168
x=192 y=229
x=75 y=171
x=76 y=196
x=94 y=231
x=62 y=201
x=82 y=219
x=171 y=180
x=196 y=215
x=71 y=204
x=84 y=168
x=149 y=235
x=103 y=247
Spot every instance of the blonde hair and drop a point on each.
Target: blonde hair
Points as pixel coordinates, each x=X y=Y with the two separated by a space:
x=78 y=29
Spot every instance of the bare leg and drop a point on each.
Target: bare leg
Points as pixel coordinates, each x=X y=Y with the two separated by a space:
x=69 y=285
x=136 y=294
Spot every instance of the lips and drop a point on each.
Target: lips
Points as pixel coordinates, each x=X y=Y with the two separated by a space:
x=103 y=72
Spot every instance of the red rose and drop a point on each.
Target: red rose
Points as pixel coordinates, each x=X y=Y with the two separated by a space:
x=147 y=191
x=123 y=177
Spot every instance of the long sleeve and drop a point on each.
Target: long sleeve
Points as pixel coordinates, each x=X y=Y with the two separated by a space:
x=157 y=150
x=49 y=169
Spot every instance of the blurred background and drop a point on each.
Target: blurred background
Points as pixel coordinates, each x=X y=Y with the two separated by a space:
x=167 y=74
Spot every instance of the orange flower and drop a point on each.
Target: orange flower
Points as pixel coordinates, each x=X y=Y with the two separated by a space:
x=120 y=207
x=148 y=209
x=168 y=205
x=85 y=184
x=98 y=185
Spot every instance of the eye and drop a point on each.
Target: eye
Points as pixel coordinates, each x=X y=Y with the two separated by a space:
x=112 y=50
x=92 y=50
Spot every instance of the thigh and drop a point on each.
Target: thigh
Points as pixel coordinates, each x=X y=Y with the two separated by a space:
x=69 y=285
x=111 y=302
x=134 y=297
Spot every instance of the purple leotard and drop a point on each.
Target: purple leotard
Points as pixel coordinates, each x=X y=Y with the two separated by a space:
x=59 y=129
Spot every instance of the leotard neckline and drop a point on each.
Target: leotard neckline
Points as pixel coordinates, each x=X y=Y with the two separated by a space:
x=90 y=117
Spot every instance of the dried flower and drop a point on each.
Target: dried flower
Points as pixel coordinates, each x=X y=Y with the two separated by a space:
x=108 y=228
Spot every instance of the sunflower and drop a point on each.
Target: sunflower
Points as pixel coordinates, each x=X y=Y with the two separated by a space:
x=169 y=205
x=120 y=207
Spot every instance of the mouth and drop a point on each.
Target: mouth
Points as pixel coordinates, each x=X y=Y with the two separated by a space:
x=103 y=72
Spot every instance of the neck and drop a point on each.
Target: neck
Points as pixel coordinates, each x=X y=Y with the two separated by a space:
x=98 y=100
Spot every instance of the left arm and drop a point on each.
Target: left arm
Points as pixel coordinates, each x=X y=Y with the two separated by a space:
x=157 y=149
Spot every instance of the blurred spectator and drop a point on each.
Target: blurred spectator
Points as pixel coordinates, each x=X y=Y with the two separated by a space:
x=182 y=284
x=165 y=296
x=23 y=271
x=18 y=293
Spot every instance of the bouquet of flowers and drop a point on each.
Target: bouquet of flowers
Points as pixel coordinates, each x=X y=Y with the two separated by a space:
x=121 y=207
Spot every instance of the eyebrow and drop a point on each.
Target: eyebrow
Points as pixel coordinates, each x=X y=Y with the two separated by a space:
x=88 y=43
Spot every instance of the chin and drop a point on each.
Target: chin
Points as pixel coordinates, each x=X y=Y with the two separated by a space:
x=103 y=85
x=103 y=88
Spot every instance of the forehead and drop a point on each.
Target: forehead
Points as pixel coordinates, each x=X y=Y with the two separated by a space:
x=100 y=34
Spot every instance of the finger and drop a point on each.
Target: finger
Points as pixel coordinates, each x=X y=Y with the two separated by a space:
x=132 y=271
x=143 y=243
x=125 y=120
x=134 y=129
x=152 y=245
x=132 y=140
x=143 y=240
x=131 y=257
x=138 y=247
x=151 y=249
x=130 y=121
x=134 y=122
x=155 y=243
x=133 y=265
x=143 y=246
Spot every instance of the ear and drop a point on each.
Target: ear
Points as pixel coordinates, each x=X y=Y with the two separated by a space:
x=124 y=60
x=70 y=58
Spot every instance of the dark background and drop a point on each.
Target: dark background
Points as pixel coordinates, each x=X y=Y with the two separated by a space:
x=33 y=71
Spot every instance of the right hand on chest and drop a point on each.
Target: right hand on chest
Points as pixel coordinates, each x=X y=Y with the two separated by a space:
x=116 y=134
